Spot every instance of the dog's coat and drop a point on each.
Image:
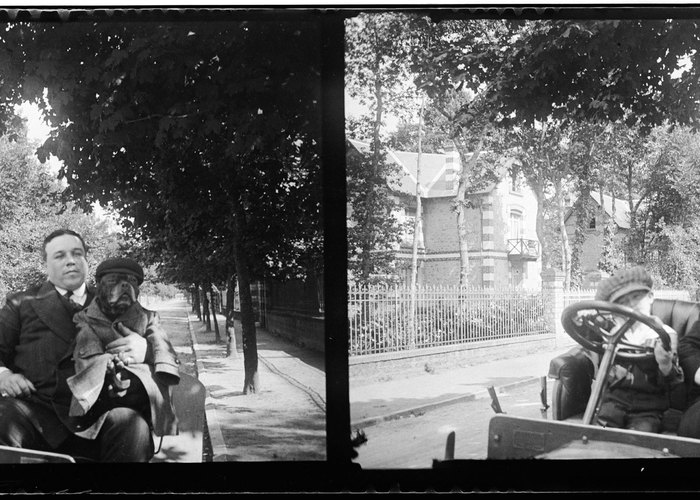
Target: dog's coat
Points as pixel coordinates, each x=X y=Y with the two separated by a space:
x=95 y=331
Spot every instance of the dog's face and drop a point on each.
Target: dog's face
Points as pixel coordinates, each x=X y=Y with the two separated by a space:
x=116 y=292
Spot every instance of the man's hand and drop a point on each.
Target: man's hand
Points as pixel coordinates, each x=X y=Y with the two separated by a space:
x=131 y=348
x=117 y=386
x=15 y=385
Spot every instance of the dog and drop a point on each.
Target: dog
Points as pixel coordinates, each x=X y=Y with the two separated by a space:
x=116 y=293
x=103 y=379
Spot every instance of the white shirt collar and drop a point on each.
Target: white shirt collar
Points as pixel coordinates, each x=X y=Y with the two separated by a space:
x=79 y=294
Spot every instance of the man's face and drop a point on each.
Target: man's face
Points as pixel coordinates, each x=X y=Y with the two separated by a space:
x=65 y=262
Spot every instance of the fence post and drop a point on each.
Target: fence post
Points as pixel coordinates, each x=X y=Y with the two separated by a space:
x=553 y=298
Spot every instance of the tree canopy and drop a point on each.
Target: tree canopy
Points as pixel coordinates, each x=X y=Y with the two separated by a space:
x=202 y=135
x=642 y=71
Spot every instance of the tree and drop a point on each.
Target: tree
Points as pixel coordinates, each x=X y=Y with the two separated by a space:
x=405 y=138
x=31 y=208
x=190 y=130
x=458 y=94
x=376 y=61
x=543 y=158
x=519 y=73
x=566 y=70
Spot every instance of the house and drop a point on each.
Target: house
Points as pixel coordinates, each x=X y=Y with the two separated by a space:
x=592 y=248
x=503 y=247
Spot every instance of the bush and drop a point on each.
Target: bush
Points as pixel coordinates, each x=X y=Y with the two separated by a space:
x=159 y=291
x=442 y=320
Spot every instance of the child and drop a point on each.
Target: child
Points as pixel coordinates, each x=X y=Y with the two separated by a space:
x=638 y=393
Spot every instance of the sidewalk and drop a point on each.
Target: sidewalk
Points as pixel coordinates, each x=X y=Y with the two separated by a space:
x=285 y=420
x=375 y=402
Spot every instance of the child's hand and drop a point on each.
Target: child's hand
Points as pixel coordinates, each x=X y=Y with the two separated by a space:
x=616 y=374
x=663 y=357
x=674 y=338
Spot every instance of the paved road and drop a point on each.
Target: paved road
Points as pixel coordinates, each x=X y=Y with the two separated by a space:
x=413 y=442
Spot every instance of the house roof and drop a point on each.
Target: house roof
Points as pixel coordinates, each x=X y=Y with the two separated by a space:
x=433 y=170
x=622 y=209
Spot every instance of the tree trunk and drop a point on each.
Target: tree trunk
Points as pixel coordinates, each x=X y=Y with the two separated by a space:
x=213 y=302
x=231 y=348
x=416 y=230
x=196 y=302
x=583 y=217
x=251 y=383
x=368 y=244
x=250 y=342
x=634 y=241
x=565 y=248
x=460 y=204
x=539 y=216
x=205 y=307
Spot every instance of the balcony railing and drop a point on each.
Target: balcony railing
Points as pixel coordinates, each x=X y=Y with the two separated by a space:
x=523 y=249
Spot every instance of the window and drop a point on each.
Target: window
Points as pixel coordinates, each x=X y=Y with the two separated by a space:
x=591 y=223
x=516 y=224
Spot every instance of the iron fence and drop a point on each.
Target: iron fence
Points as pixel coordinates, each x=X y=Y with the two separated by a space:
x=381 y=321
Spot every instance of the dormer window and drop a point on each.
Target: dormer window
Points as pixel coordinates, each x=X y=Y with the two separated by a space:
x=516 y=184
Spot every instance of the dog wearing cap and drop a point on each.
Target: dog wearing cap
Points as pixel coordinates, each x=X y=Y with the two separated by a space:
x=103 y=380
x=637 y=394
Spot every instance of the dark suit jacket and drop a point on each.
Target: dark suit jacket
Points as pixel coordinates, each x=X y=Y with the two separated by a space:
x=37 y=334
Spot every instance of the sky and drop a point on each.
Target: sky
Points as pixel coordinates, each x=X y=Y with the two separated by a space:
x=38 y=130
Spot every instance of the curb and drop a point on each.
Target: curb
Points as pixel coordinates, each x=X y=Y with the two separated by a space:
x=218 y=445
x=421 y=409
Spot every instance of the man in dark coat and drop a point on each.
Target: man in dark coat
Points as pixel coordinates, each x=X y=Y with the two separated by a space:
x=37 y=337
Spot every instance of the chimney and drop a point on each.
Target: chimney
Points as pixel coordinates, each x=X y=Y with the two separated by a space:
x=452 y=166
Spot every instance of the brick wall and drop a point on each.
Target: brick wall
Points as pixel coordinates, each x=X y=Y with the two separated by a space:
x=440 y=226
x=446 y=271
x=592 y=247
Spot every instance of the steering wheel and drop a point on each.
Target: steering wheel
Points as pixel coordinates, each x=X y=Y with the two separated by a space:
x=591 y=323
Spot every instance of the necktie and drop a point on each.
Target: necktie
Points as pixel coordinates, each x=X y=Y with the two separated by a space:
x=73 y=304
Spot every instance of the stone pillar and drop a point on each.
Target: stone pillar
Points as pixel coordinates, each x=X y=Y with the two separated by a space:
x=488 y=269
x=553 y=297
